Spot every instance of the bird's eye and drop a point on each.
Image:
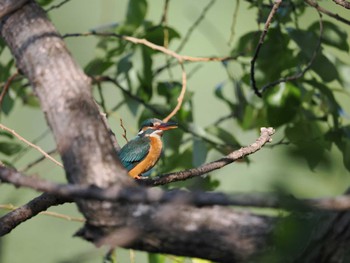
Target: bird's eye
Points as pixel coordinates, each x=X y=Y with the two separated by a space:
x=151 y=125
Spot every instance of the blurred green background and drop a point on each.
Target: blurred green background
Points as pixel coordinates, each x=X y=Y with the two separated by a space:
x=49 y=239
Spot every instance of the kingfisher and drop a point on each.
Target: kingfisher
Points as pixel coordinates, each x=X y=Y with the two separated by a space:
x=140 y=154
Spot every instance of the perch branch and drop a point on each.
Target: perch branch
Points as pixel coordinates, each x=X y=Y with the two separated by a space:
x=264 y=138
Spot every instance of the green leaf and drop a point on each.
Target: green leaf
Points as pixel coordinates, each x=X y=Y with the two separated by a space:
x=156 y=35
x=282 y=104
x=306 y=40
x=124 y=65
x=170 y=90
x=136 y=14
x=331 y=105
x=7 y=104
x=156 y=258
x=145 y=90
x=10 y=148
x=310 y=141
x=97 y=66
x=275 y=56
x=6 y=134
x=324 y=68
x=332 y=35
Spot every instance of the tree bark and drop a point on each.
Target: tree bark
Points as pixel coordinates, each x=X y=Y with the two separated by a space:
x=64 y=91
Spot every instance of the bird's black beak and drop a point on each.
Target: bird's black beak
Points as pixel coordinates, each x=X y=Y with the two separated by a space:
x=167 y=125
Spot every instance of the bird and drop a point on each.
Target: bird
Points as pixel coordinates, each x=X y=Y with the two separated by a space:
x=141 y=154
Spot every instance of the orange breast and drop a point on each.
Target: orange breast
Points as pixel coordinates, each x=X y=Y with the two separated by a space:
x=151 y=158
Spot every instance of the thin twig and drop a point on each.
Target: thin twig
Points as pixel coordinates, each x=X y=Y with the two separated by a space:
x=234 y=22
x=151 y=45
x=47 y=213
x=124 y=130
x=37 y=161
x=164 y=22
x=3 y=127
x=326 y=12
x=57 y=6
x=27 y=211
x=7 y=86
x=342 y=3
x=258 y=47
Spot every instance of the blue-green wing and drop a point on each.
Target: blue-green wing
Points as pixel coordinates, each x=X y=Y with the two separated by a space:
x=134 y=152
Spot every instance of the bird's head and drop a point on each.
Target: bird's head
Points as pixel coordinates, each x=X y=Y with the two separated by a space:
x=155 y=127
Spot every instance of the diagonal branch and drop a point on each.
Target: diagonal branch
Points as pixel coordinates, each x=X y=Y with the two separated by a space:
x=342 y=3
x=264 y=138
x=27 y=211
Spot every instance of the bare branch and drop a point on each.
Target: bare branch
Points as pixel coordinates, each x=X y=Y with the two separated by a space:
x=124 y=130
x=264 y=138
x=3 y=127
x=23 y=213
x=326 y=12
x=58 y=5
x=342 y=3
x=46 y=213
